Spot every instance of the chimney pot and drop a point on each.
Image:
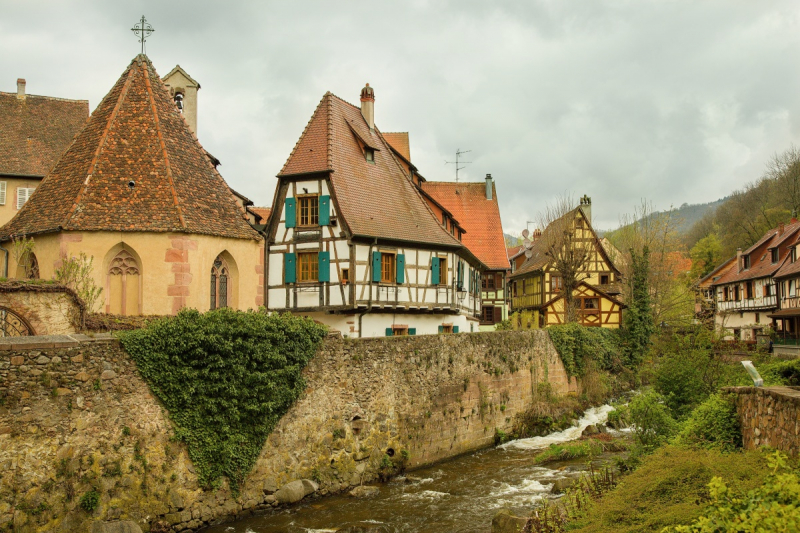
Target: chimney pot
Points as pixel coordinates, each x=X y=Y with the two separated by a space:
x=488 y=186
x=781 y=227
x=368 y=105
x=21 y=88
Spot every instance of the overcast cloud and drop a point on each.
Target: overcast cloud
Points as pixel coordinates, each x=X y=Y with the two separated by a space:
x=673 y=101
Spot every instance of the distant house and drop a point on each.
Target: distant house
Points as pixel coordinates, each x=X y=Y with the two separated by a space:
x=787 y=283
x=705 y=293
x=353 y=243
x=537 y=287
x=746 y=293
x=34 y=132
x=476 y=208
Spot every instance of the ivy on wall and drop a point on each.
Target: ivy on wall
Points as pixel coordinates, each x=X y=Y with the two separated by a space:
x=226 y=377
x=578 y=344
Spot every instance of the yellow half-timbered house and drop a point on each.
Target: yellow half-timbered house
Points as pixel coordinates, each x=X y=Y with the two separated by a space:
x=537 y=287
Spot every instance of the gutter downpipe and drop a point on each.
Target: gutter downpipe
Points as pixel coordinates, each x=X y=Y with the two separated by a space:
x=265 y=288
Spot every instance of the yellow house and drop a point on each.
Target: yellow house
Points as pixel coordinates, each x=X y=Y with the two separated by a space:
x=136 y=192
x=537 y=286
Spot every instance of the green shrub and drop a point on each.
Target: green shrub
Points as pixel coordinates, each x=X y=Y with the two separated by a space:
x=504 y=325
x=713 y=424
x=781 y=373
x=577 y=345
x=652 y=420
x=774 y=506
x=226 y=377
x=89 y=500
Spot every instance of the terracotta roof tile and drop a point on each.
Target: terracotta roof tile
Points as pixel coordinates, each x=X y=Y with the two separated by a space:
x=477 y=215
x=36 y=130
x=761 y=265
x=399 y=141
x=135 y=134
x=376 y=199
x=263 y=212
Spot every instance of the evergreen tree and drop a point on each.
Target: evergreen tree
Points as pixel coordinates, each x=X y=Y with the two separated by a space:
x=639 y=316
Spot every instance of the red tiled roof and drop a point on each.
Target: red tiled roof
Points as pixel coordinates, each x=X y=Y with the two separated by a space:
x=477 y=215
x=721 y=270
x=789 y=268
x=135 y=134
x=263 y=212
x=761 y=265
x=376 y=199
x=36 y=130
x=399 y=141
x=512 y=251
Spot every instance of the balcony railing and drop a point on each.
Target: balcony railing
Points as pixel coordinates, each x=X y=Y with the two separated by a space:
x=764 y=302
x=529 y=300
x=791 y=302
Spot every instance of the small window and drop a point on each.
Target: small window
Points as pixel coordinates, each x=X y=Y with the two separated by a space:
x=774 y=255
x=604 y=279
x=388 y=267
x=345 y=277
x=591 y=303
x=23 y=195
x=442 y=271
x=3 y=186
x=487 y=314
x=308 y=266
x=369 y=153
x=487 y=282
x=446 y=328
x=400 y=330
x=309 y=210
x=556 y=283
x=579 y=223
x=767 y=290
x=758 y=318
x=794 y=254
x=745 y=262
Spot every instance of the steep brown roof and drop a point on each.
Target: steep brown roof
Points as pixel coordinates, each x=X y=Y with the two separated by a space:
x=399 y=141
x=35 y=131
x=477 y=215
x=761 y=264
x=263 y=212
x=135 y=135
x=376 y=199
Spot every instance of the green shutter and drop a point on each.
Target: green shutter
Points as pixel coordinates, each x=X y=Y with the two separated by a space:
x=290 y=212
x=455 y=329
x=290 y=268
x=376 y=267
x=389 y=332
x=434 y=271
x=460 y=271
x=324 y=210
x=412 y=331
x=441 y=329
x=401 y=268
x=324 y=266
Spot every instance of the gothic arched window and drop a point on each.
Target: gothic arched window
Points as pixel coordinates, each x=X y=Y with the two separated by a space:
x=123 y=279
x=220 y=278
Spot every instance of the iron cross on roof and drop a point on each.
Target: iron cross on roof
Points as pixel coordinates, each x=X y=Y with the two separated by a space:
x=142 y=30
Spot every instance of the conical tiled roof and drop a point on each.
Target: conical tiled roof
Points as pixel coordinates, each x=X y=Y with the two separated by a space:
x=135 y=135
x=376 y=198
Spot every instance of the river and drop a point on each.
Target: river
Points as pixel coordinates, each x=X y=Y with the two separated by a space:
x=461 y=495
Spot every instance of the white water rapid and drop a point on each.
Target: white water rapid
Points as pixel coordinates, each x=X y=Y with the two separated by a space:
x=595 y=415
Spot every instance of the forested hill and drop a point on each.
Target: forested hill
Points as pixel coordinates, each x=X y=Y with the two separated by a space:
x=684 y=218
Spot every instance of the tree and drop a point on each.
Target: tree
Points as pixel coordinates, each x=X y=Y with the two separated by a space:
x=76 y=273
x=567 y=248
x=706 y=255
x=638 y=318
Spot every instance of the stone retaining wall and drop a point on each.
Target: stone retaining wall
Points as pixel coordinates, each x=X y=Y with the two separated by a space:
x=770 y=416
x=80 y=418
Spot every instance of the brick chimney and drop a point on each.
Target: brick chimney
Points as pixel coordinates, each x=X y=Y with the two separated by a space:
x=537 y=233
x=586 y=206
x=739 y=259
x=21 y=88
x=488 y=186
x=781 y=227
x=368 y=105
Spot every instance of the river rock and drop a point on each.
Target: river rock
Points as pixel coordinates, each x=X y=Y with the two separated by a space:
x=310 y=486
x=589 y=430
x=505 y=522
x=296 y=490
x=123 y=526
x=364 y=491
x=561 y=485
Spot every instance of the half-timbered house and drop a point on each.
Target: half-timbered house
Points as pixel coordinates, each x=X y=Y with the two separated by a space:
x=353 y=244
x=536 y=285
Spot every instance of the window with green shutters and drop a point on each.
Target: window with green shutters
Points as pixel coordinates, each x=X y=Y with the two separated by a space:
x=376 y=267
x=401 y=269
x=289 y=268
x=324 y=266
x=460 y=274
x=290 y=212
x=324 y=210
x=434 y=271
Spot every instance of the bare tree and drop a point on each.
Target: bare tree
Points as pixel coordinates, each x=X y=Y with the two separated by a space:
x=567 y=248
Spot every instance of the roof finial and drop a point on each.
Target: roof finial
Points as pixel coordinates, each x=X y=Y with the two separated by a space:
x=142 y=30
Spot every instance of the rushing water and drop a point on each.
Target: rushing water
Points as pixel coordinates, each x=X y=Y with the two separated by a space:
x=461 y=495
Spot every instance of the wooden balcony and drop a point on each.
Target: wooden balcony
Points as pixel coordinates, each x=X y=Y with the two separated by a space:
x=526 y=301
x=748 y=304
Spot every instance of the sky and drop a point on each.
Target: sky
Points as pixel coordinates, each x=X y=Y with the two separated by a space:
x=663 y=101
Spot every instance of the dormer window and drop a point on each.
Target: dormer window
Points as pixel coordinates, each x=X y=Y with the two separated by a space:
x=794 y=254
x=745 y=262
x=774 y=252
x=369 y=153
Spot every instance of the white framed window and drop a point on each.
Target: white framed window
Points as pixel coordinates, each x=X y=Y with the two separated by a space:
x=3 y=185
x=23 y=195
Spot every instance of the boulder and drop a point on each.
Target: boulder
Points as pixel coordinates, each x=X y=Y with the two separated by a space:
x=364 y=491
x=561 y=485
x=310 y=486
x=123 y=526
x=589 y=430
x=296 y=490
x=505 y=522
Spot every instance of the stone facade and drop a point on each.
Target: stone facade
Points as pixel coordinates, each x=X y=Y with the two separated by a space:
x=78 y=418
x=770 y=416
x=47 y=309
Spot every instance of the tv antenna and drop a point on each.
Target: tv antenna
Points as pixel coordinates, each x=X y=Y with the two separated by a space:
x=459 y=153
